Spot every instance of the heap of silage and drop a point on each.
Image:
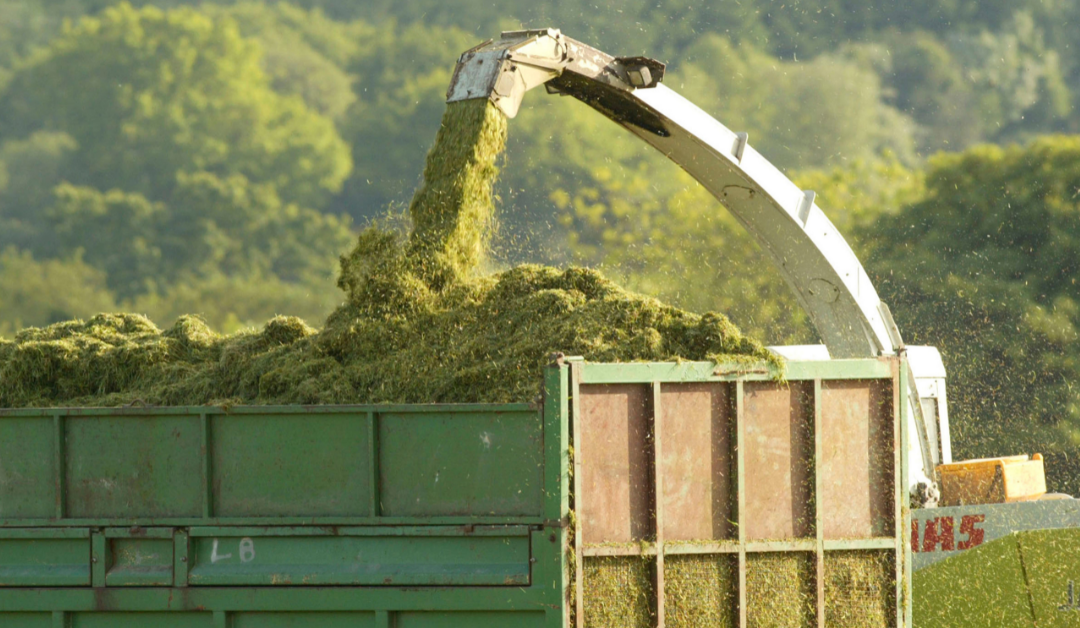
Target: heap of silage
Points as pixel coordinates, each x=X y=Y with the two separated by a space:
x=418 y=324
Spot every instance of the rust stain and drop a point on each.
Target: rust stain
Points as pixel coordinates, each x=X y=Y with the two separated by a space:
x=102 y=599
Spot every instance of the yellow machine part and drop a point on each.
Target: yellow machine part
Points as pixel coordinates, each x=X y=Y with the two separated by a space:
x=992 y=480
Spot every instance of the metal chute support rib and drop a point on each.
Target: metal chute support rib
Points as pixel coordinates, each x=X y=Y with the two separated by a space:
x=813 y=257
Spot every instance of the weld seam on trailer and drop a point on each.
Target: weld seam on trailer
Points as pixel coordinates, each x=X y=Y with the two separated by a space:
x=404 y=409
x=373 y=531
x=676 y=372
x=45 y=533
x=269 y=521
x=138 y=532
x=733 y=547
x=273 y=598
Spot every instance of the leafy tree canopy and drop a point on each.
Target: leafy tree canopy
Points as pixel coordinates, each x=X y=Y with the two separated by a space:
x=985 y=268
x=147 y=94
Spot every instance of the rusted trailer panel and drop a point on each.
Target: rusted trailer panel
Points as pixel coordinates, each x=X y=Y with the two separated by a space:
x=707 y=496
x=632 y=495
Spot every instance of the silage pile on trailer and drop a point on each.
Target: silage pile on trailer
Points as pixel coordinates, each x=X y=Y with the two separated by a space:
x=418 y=324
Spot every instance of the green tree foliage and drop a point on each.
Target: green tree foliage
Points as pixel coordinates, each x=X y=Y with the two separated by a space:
x=147 y=94
x=152 y=148
x=44 y=292
x=1020 y=79
x=24 y=26
x=229 y=303
x=985 y=268
x=29 y=170
x=823 y=111
x=401 y=83
x=117 y=232
x=305 y=53
x=923 y=79
x=209 y=226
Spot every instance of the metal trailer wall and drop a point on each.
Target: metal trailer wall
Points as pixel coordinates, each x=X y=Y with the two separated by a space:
x=450 y=515
x=721 y=497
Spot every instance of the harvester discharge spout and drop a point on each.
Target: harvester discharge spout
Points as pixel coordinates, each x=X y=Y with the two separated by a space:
x=827 y=278
x=504 y=70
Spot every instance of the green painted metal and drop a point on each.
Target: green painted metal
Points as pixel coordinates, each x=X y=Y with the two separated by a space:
x=396 y=515
x=982 y=588
x=201 y=513
x=249 y=465
x=670 y=372
x=1025 y=578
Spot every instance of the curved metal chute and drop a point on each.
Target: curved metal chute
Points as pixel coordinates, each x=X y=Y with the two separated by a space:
x=813 y=257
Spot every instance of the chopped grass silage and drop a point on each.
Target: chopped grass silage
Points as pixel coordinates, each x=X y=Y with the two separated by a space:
x=781 y=590
x=701 y=590
x=453 y=212
x=418 y=324
x=618 y=592
x=860 y=589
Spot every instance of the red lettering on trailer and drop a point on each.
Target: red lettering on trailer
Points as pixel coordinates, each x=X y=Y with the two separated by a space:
x=975 y=535
x=937 y=532
x=939 y=536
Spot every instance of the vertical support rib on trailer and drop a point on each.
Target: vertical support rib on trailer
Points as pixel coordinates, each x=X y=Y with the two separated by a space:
x=181 y=558
x=373 y=461
x=658 y=483
x=207 y=466
x=99 y=559
x=58 y=466
x=579 y=537
x=382 y=619
x=819 y=524
x=556 y=400
x=740 y=491
x=903 y=508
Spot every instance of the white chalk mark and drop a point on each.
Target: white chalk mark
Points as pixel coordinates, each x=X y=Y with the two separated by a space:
x=247 y=550
x=214 y=557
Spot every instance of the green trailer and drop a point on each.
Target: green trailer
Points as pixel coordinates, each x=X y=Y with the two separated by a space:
x=630 y=494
